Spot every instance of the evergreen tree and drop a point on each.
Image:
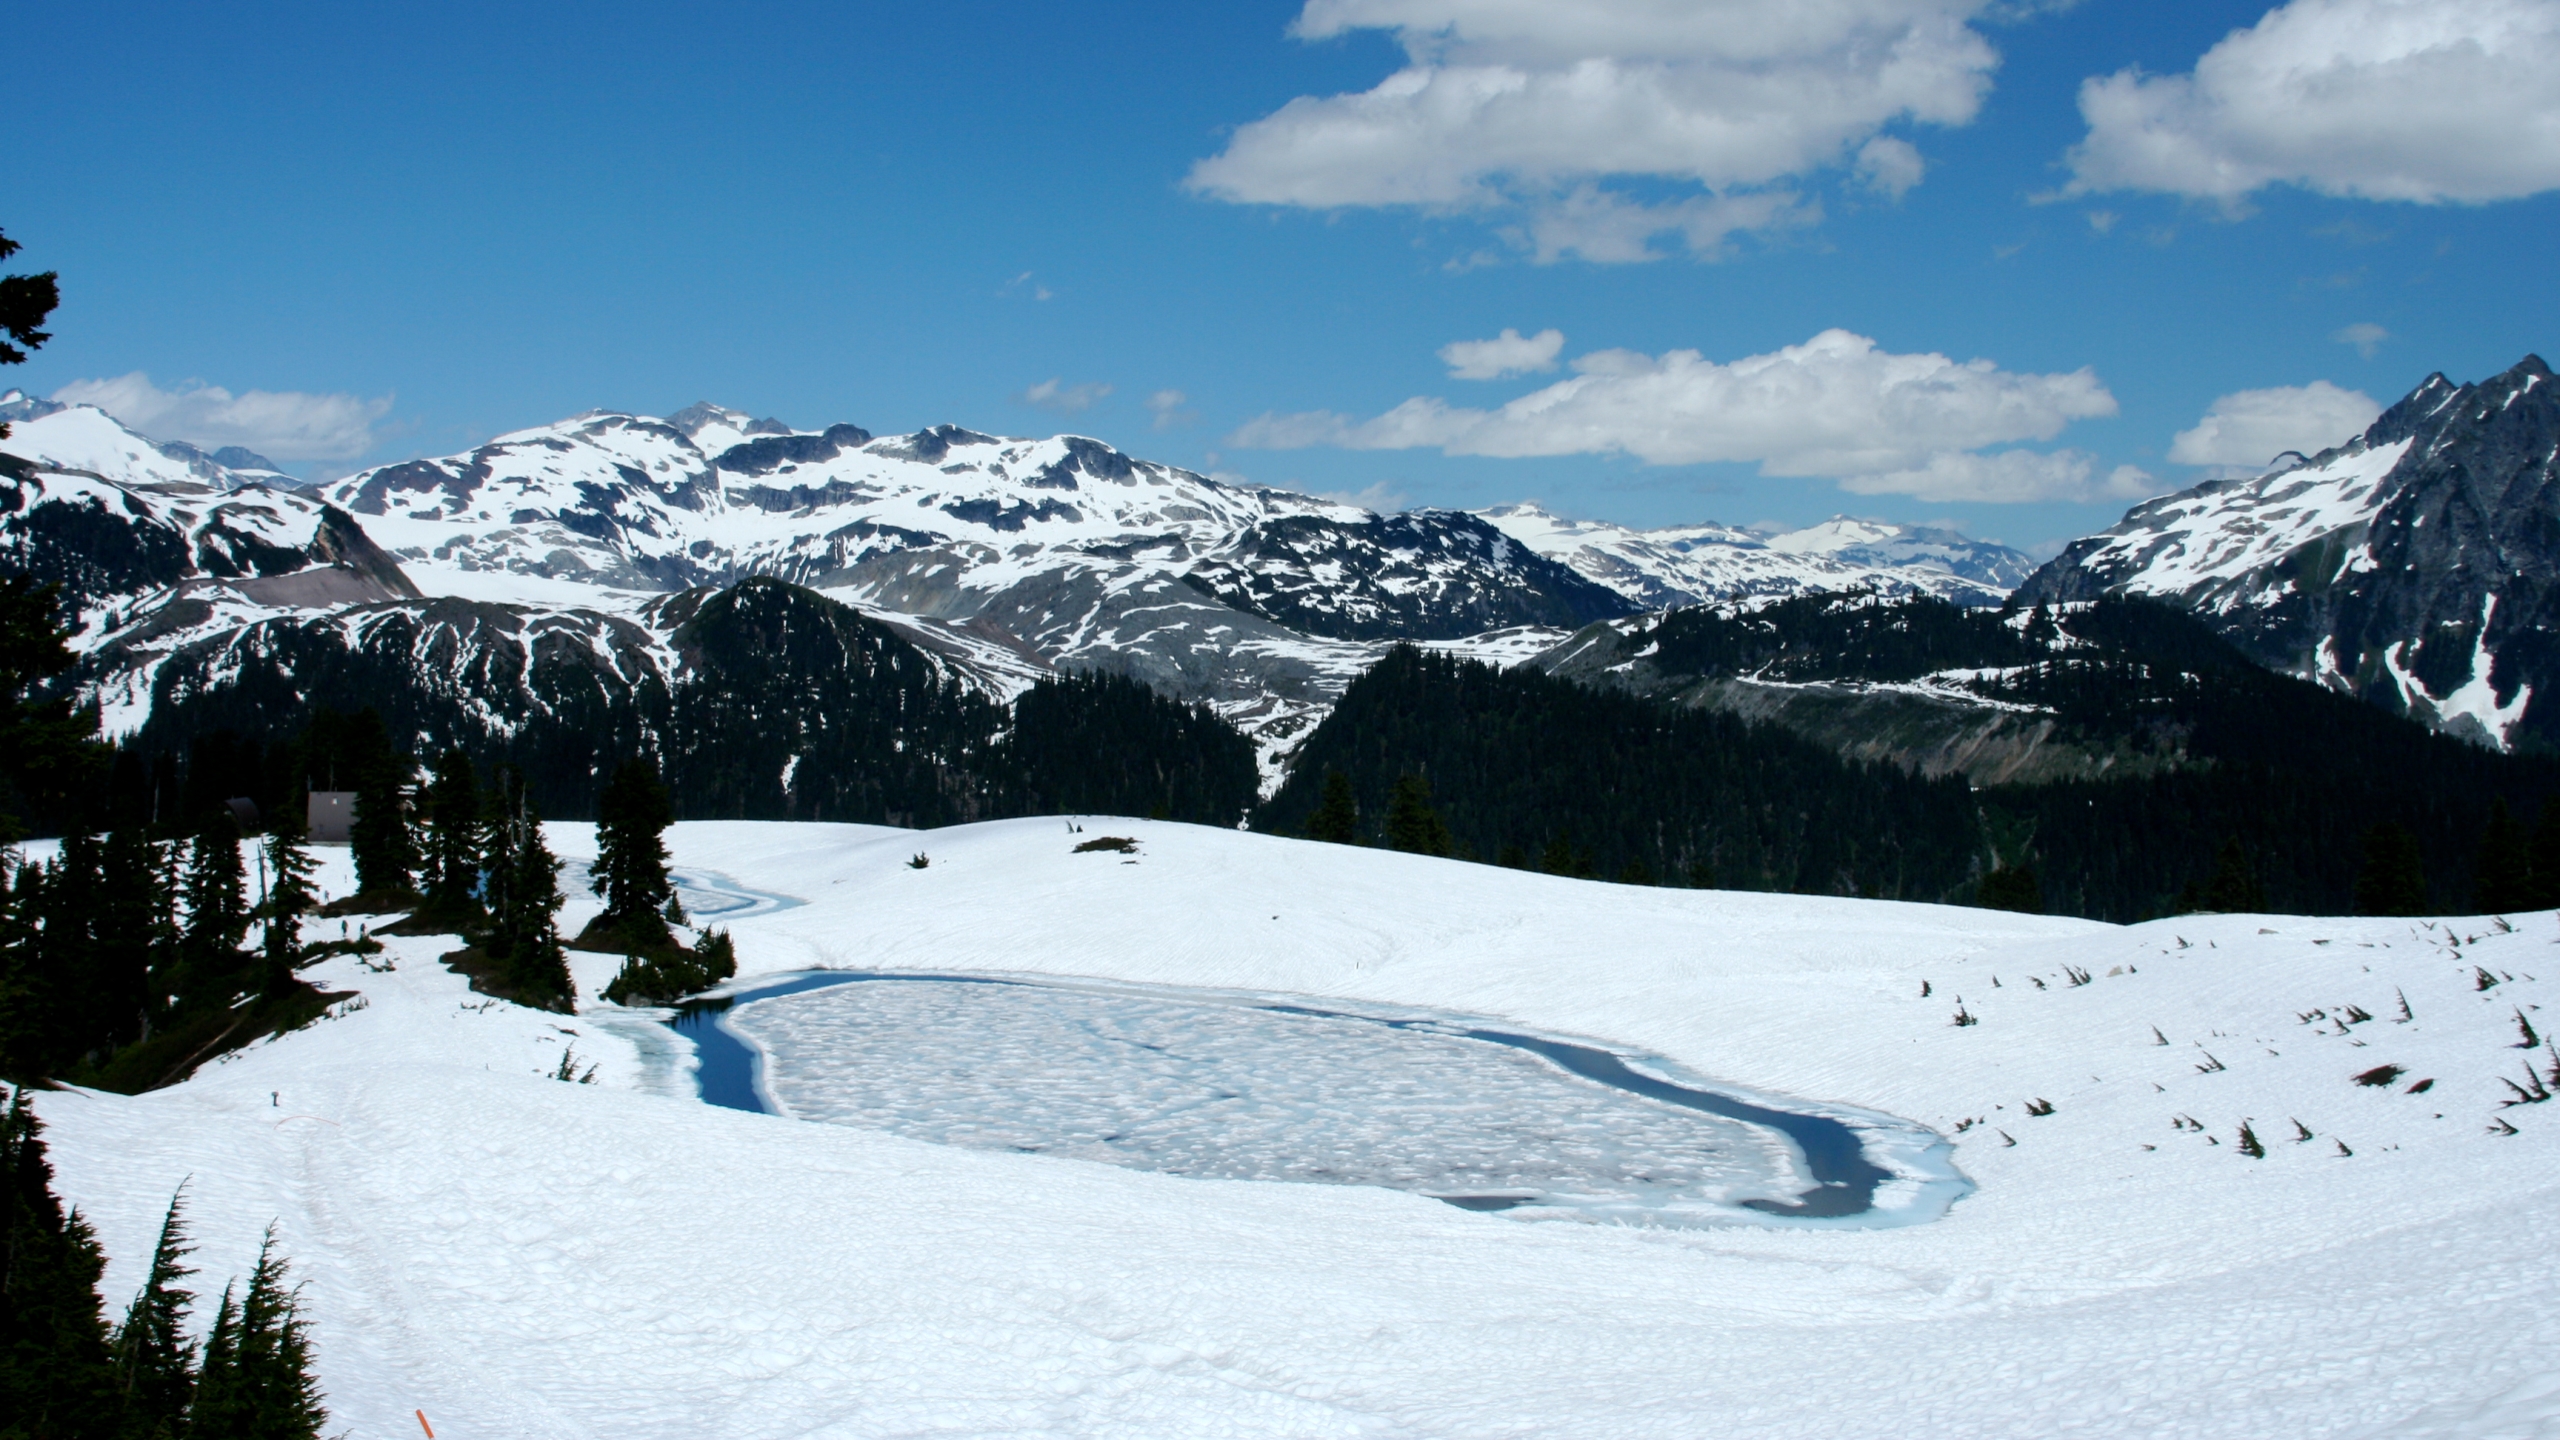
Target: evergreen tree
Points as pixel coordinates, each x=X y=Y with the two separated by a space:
x=256 y=1381
x=1337 y=817
x=536 y=964
x=2393 y=880
x=154 y=1359
x=632 y=816
x=1412 y=825
x=290 y=897
x=56 y=1379
x=379 y=838
x=126 y=933
x=2502 y=881
x=2010 y=887
x=453 y=808
x=2546 y=856
x=2235 y=888
x=217 y=910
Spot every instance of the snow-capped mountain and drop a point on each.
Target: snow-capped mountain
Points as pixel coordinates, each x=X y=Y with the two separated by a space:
x=2417 y=565
x=86 y=440
x=1704 y=564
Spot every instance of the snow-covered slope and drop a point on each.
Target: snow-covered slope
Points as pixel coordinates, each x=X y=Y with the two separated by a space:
x=516 y=1256
x=2415 y=564
x=1702 y=564
x=88 y=440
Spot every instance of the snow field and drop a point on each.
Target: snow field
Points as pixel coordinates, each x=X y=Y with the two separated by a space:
x=518 y=1256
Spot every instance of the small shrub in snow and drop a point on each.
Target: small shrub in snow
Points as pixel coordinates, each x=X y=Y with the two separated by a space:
x=1964 y=1016
x=2380 y=1075
x=2039 y=1107
x=2249 y=1145
x=2423 y=1086
x=2524 y=1029
x=2210 y=1065
x=919 y=862
x=2301 y=1132
x=1117 y=844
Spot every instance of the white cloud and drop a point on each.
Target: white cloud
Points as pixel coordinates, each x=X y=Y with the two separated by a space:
x=1606 y=228
x=1167 y=406
x=2007 y=477
x=2364 y=335
x=1503 y=356
x=279 y=424
x=2248 y=428
x=1835 y=406
x=2420 y=100
x=1064 y=399
x=1516 y=103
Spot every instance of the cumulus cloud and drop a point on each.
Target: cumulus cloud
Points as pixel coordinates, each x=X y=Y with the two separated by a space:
x=1503 y=103
x=280 y=424
x=1503 y=356
x=2420 y=100
x=2364 y=335
x=1836 y=406
x=1061 y=399
x=2247 y=428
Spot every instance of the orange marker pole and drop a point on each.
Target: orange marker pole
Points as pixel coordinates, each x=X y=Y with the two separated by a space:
x=423 y=1425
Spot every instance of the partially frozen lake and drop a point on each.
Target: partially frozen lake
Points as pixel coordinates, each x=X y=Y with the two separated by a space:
x=1246 y=1087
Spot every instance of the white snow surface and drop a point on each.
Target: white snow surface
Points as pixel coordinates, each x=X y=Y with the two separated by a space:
x=1699 y=564
x=515 y=1256
x=2220 y=534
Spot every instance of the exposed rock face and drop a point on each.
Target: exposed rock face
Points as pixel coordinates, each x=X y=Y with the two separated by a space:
x=2414 y=565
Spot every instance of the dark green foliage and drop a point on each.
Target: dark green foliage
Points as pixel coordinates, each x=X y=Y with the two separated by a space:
x=664 y=977
x=1102 y=744
x=217 y=904
x=1562 y=857
x=2393 y=877
x=2285 y=767
x=1516 y=756
x=782 y=674
x=2502 y=878
x=56 y=1379
x=523 y=933
x=452 y=805
x=154 y=1360
x=2007 y=888
x=290 y=897
x=49 y=756
x=2545 y=890
x=256 y=1382
x=1337 y=816
x=1412 y=825
x=25 y=301
x=2235 y=888
x=632 y=816
x=380 y=839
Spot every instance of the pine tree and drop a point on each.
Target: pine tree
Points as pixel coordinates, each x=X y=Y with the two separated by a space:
x=2546 y=856
x=2503 y=880
x=379 y=838
x=126 y=932
x=256 y=1381
x=632 y=816
x=453 y=808
x=154 y=1359
x=56 y=1378
x=1337 y=817
x=290 y=897
x=536 y=963
x=2010 y=887
x=1412 y=825
x=2393 y=880
x=2235 y=888
x=217 y=911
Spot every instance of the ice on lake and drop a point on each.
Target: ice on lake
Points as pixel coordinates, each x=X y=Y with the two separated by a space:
x=1240 y=1091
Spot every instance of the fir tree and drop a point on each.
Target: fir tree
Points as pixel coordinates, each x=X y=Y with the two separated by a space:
x=56 y=1379
x=2235 y=888
x=536 y=964
x=127 y=934
x=632 y=816
x=2393 y=880
x=453 y=807
x=154 y=1359
x=256 y=1381
x=217 y=909
x=2546 y=856
x=2502 y=881
x=1412 y=825
x=379 y=837
x=2011 y=887
x=290 y=897
x=1337 y=817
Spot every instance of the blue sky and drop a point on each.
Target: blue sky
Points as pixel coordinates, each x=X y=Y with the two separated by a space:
x=413 y=227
